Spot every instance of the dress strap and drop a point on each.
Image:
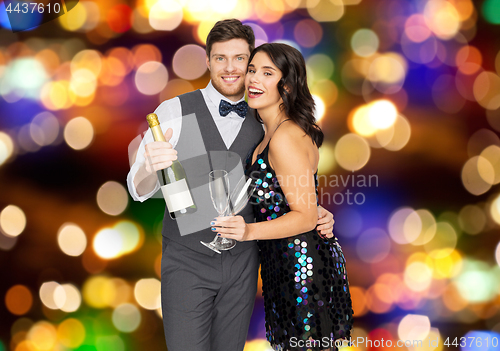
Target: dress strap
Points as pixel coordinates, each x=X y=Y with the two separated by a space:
x=288 y=119
x=264 y=151
x=269 y=142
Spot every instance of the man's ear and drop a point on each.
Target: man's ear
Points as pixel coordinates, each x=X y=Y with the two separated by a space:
x=208 y=62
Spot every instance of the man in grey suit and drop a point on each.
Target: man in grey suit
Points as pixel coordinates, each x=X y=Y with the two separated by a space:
x=207 y=298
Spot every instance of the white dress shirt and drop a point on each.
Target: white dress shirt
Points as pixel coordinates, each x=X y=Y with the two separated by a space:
x=170 y=116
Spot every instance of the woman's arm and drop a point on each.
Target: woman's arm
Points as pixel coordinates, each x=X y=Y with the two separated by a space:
x=289 y=152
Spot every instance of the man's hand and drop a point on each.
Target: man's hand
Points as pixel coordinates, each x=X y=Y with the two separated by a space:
x=325 y=222
x=160 y=154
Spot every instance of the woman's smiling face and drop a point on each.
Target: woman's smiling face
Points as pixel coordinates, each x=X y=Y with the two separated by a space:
x=261 y=82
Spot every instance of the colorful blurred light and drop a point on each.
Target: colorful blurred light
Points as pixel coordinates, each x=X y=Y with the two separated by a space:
x=46 y=294
x=123 y=292
x=119 y=18
x=90 y=60
x=93 y=15
x=418 y=276
x=361 y=123
x=99 y=291
x=174 y=88
x=147 y=293
x=308 y=33
x=442 y=18
x=71 y=333
x=132 y=236
x=71 y=239
x=469 y=59
x=491 y=12
x=387 y=72
x=56 y=95
x=348 y=222
x=189 y=62
x=447 y=266
x=24 y=76
x=140 y=21
x=319 y=67
x=474 y=172
x=6 y=147
x=364 y=42
x=108 y=243
x=109 y=342
x=43 y=336
x=414 y=327
x=75 y=19
x=326 y=159
x=151 y=78
x=373 y=245
x=113 y=71
x=327 y=90
x=112 y=198
x=25 y=140
x=144 y=53
x=79 y=133
x=497 y=254
x=206 y=25
x=126 y=318
x=67 y=298
x=325 y=11
x=416 y=29
x=487 y=90
x=443 y=242
x=269 y=11
x=319 y=108
x=382 y=114
x=18 y=300
x=480 y=140
x=352 y=152
x=44 y=128
x=12 y=220
x=83 y=83
x=419 y=227
x=421 y=52
x=472 y=219
x=477 y=282
x=165 y=15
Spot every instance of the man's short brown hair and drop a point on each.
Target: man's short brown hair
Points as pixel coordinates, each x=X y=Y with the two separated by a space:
x=230 y=29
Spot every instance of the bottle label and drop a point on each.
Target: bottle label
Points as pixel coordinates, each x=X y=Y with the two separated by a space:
x=177 y=195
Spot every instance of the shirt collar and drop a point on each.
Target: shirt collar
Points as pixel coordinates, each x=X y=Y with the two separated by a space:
x=216 y=97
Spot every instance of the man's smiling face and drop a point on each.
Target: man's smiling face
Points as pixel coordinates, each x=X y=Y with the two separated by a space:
x=228 y=65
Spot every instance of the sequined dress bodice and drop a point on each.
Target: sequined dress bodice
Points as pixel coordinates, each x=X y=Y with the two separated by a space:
x=304 y=280
x=269 y=200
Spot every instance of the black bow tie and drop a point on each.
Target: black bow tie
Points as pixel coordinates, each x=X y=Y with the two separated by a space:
x=240 y=108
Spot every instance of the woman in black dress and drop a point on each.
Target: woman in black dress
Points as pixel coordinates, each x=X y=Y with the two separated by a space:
x=305 y=287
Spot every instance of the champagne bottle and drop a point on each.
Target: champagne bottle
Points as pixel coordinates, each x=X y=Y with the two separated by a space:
x=173 y=181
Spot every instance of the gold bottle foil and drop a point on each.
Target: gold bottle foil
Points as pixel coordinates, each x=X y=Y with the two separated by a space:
x=154 y=124
x=152 y=120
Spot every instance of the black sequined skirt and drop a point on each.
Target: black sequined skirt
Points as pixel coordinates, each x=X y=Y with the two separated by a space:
x=306 y=292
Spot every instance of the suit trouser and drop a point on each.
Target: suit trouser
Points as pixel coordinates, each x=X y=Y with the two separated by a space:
x=207 y=301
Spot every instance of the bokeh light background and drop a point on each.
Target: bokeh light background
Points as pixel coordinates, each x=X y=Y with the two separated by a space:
x=407 y=93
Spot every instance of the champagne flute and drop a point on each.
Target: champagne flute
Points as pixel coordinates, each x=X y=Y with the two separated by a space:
x=237 y=201
x=218 y=184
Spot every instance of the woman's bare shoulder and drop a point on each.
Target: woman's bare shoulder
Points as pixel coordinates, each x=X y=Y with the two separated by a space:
x=290 y=134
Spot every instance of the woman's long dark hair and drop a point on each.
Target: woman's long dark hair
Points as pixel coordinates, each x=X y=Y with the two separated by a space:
x=298 y=102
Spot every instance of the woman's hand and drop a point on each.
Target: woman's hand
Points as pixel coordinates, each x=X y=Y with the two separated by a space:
x=325 y=222
x=231 y=227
